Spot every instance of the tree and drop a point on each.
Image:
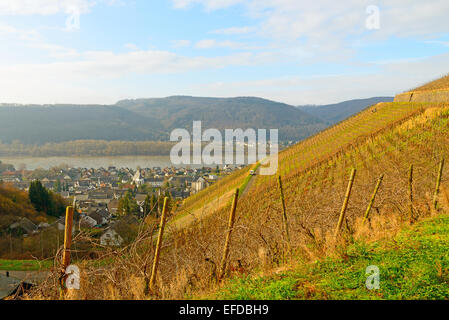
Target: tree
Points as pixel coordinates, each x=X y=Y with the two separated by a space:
x=44 y=201
x=147 y=205
x=39 y=196
x=154 y=205
x=127 y=205
x=57 y=186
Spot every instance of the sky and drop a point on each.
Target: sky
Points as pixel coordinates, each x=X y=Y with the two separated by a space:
x=293 y=51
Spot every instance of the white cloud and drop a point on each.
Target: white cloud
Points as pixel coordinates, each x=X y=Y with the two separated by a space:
x=43 y=7
x=131 y=46
x=50 y=82
x=51 y=7
x=391 y=78
x=209 y=4
x=234 y=30
x=78 y=81
x=180 y=43
x=32 y=39
x=212 y=43
x=317 y=22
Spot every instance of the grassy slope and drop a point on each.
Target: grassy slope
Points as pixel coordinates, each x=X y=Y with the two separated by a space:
x=413 y=265
x=439 y=84
x=25 y=265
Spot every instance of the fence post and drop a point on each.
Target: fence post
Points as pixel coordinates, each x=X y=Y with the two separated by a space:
x=158 y=245
x=228 y=236
x=410 y=191
x=437 y=187
x=284 y=212
x=373 y=198
x=67 y=248
x=346 y=202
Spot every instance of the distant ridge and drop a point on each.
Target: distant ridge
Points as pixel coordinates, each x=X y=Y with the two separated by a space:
x=223 y=113
x=150 y=119
x=333 y=113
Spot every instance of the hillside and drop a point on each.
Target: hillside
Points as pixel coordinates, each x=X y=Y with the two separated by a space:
x=333 y=113
x=103 y=130
x=148 y=119
x=15 y=204
x=435 y=91
x=422 y=247
x=382 y=140
x=438 y=84
x=60 y=123
x=225 y=113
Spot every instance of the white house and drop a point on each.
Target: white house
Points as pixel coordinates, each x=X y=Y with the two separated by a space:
x=138 y=179
x=111 y=238
x=199 y=184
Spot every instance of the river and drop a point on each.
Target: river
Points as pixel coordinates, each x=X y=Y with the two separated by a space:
x=132 y=162
x=32 y=163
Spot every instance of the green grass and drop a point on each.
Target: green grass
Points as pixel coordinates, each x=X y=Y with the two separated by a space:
x=245 y=183
x=413 y=265
x=24 y=265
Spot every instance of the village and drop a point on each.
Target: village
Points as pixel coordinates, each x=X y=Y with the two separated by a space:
x=109 y=201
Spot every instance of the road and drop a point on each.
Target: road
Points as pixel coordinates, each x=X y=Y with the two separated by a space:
x=28 y=276
x=250 y=183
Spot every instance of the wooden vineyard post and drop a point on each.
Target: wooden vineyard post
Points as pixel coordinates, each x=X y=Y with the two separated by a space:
x=410 y=191
x=228 y=236
x=67 y=247
x=346 y=202
x=437 y=187
x=158 y=245
x=284 y=212
x=373 y=198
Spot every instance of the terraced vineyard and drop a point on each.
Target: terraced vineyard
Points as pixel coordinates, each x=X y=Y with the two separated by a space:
x=335 y=139
x=316 y=149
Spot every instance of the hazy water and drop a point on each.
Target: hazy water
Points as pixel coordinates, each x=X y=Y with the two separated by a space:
x=133 y=162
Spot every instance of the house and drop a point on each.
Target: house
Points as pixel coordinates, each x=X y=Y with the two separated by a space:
x=97 y=217
x=47 y=183
x=179 y=193
x=23 y=227
x=87 y=222
x=140 y=199
x=60 y=224
x=138 y=179
x=80 y=198
x=104 y=213
x=113 y=206
x=82 y=184
x=155 y=182
x=111 y=238
x=180 y=181
x=43 y=225
x=199 y=184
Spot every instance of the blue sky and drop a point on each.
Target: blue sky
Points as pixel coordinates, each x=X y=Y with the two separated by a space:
x=292 y=51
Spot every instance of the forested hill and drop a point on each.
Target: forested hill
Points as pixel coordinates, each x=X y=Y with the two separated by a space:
x=35 y=124
x=223 y=113
x=149 y=119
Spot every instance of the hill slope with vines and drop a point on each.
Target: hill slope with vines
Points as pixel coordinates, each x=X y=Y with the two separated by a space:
x=385 y=139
